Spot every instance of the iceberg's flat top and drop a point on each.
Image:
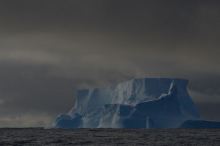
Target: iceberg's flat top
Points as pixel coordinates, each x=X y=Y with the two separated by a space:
x=180 y=80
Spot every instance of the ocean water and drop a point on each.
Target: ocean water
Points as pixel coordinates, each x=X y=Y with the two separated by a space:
x=165 y=137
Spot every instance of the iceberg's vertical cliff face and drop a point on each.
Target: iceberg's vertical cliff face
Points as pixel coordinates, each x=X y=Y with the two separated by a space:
x=138 y=103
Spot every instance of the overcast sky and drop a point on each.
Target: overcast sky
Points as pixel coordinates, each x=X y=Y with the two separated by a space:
x=51 y=48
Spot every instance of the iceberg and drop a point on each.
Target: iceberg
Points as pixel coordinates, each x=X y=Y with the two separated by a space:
x=200 y=124
x=138 y=103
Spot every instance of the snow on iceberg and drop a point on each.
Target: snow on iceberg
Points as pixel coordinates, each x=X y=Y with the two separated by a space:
x=138 y=103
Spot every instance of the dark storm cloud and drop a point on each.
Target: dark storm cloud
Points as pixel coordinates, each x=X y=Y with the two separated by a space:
x=51 y=48
x=178 y=18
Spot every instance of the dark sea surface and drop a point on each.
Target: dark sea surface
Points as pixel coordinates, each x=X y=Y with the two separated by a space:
x=166 y=137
